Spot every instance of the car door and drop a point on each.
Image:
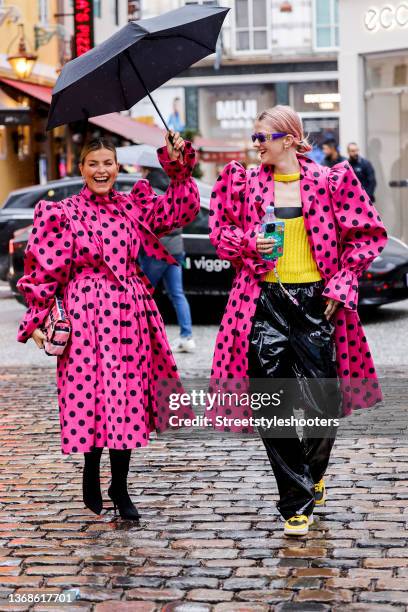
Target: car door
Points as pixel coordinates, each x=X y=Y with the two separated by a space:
x=18 y=212
x=204 y=272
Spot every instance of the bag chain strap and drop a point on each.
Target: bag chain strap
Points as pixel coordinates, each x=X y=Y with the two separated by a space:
x=285 y=291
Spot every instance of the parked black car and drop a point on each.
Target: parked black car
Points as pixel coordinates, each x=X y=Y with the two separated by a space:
x=18 y=209
x=206 y=276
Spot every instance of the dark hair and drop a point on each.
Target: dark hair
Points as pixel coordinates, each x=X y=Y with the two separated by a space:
x=330 y=142
x=95 y=145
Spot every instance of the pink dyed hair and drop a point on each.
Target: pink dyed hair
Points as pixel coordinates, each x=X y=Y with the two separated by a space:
x=285 y=119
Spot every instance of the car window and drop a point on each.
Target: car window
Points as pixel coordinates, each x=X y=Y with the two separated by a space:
x=126 y=186
x=55 y=194
x=123 y=186
x=199 y=225
x=24 y=200
x=30 y=198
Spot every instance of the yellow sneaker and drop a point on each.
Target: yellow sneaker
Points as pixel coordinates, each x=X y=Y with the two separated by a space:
x=320 y=493
x=298 y=525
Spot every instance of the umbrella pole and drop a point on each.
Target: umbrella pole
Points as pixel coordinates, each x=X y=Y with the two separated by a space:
x=129 y=57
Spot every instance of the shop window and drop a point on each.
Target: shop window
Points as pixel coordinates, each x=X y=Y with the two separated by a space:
x=383 y=72
x=115 y=8
x=43 y=11
x=315 y=96
x=251 y=25
x=97 y=8
x=204 y=2
x=326 y=24
x=134 y=10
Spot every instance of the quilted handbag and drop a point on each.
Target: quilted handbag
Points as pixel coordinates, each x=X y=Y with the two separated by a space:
x=56 y=328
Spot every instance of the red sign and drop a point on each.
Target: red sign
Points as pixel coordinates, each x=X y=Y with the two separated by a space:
x=83 y=26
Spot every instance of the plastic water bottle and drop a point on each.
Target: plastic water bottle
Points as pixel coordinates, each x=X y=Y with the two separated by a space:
x=273 y=228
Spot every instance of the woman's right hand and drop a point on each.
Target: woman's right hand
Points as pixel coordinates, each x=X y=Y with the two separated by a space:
x=264 y=246
x=39 y=338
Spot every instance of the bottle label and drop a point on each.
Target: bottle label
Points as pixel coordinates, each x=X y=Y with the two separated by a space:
x=276 y=230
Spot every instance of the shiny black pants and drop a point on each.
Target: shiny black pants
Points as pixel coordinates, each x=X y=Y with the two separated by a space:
x=293 y=344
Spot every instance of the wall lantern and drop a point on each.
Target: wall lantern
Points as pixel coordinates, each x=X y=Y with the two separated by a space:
x=21 y=60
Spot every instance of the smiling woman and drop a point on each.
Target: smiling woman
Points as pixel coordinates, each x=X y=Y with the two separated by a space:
x=84 y=249
x=99 y=165
x=295 y=318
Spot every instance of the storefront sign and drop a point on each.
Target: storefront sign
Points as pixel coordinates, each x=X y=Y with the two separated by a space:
x=236 y=113
x=17 y=117
x=83 y=26
x=386 y=17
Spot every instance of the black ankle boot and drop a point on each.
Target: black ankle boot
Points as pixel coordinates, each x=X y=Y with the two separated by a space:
x=117 y=491
x=91 y=486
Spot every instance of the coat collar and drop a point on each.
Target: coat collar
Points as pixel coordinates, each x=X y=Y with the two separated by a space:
x=111 y=230
x=311 y=175
x=88 y=194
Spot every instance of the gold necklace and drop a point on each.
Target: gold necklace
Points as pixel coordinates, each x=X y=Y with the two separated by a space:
x=286 y=178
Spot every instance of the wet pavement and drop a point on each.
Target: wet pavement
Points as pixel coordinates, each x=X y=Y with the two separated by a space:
x=210 y=537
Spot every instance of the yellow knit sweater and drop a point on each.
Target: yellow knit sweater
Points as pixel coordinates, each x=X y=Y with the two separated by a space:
x=296 y=264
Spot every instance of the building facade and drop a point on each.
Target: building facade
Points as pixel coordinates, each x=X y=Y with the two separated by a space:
x=25 y=150
x=269 y=52
x=29 y=154
x=373 y=67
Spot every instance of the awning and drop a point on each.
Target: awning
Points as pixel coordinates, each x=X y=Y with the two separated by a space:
x=13 y=113
x=114 y=122
x=216 y=151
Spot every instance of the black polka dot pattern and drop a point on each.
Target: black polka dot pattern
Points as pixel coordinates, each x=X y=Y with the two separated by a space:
x=116 y=374
x=345 y=234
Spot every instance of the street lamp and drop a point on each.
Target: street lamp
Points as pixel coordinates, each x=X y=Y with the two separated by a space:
x=22 y=61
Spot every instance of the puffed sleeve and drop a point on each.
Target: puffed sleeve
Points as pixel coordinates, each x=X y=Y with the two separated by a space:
x=361 y=232
x=227 y=234
x=181 y=202
x=47 y=264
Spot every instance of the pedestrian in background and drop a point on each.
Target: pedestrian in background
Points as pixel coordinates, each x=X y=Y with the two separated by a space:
x=85 y=249
x=301 y=324
x=331 y=153
x=363 y=168
x=171 y=275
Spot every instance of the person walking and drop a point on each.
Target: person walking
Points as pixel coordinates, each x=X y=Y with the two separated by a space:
x=171 y=275
x=84 y=249
x=331 y=153
x=363 y=169
x=296 y=318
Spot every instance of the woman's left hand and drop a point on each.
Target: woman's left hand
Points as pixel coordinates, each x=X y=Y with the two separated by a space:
x=331 y=307
x=175 y=150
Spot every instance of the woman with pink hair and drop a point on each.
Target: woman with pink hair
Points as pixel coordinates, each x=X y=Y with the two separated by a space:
x=291 y=324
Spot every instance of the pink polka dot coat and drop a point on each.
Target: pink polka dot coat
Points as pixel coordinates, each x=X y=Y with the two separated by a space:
x=115 y=375
x=345 y=234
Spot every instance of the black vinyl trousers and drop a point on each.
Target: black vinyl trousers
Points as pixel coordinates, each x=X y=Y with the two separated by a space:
x=293 y=346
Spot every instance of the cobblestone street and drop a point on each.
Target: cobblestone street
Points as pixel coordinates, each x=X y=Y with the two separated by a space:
x=210 y=537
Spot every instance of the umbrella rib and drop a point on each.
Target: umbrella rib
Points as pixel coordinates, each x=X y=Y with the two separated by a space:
x=125 y=98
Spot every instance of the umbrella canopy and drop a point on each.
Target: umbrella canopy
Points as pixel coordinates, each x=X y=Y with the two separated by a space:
x=138 y=155
x=136 y=60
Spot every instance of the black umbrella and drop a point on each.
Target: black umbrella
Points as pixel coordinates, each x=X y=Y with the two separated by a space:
x=136 y=60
